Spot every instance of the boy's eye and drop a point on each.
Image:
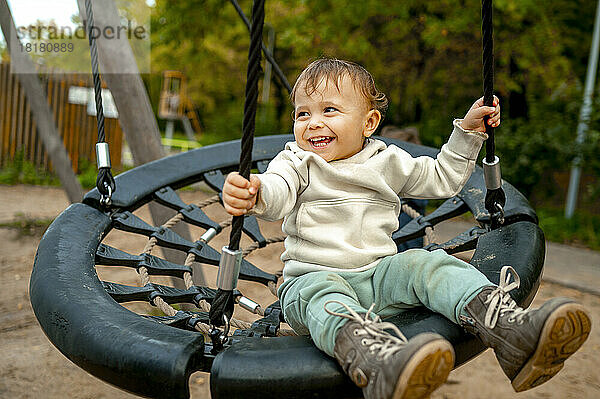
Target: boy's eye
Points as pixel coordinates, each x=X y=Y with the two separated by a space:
x=330 y=109
x=300 y=114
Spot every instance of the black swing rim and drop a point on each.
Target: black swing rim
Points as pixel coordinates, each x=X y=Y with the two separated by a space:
x=151 y=359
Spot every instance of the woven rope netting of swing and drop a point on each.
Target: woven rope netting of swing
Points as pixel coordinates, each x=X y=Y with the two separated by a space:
x=187 y=277
x=157 y=281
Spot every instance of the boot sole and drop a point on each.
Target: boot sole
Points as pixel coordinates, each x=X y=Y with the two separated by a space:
x=565 y=330
x=426 y=370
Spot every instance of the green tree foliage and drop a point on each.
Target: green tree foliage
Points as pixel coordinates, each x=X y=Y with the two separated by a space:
x=425 y=55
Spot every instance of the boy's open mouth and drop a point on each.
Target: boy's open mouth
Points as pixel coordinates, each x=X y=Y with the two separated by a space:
x=321 y=141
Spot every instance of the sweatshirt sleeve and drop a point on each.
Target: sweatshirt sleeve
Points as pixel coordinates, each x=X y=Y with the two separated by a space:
x=443 y=176
x=279 y=186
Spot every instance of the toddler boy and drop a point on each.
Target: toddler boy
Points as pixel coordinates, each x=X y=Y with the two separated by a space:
x=338 y=192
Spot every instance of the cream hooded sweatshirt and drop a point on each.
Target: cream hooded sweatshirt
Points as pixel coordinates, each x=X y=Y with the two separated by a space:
x=340 y=215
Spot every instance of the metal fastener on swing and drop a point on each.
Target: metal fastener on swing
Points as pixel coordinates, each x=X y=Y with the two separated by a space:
x=105 y=200
x=209 y=235
x=218 y=337
x=500 y=212
x=103 y=162
x=229 y=268
x=492 y=174
x=248 y=304
x=102 y=156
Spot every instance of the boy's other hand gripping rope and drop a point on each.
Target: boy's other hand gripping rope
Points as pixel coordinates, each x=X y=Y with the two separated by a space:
x=494 y=196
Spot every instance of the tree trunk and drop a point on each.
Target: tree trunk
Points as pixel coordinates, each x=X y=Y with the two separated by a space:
x=23 y=66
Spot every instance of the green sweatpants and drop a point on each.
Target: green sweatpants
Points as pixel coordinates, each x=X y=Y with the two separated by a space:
x=412 y=278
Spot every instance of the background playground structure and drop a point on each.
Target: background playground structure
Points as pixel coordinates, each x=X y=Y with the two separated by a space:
x=175 y=105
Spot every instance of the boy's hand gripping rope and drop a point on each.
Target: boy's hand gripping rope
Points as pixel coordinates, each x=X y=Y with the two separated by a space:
x=494 y=196
x=221 y=310
x=105 y=183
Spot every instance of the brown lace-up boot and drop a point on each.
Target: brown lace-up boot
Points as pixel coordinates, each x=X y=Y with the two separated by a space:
x=531 y=345
x=386 y=366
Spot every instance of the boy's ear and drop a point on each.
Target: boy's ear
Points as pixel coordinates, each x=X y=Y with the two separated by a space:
x=373 y=119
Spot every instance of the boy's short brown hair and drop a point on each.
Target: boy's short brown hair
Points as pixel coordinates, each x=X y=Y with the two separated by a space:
x=332 y=69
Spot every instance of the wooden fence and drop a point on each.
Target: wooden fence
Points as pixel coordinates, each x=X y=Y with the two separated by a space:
x=18 y=133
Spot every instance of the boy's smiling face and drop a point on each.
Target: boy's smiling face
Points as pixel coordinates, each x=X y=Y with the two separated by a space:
x=333 y=121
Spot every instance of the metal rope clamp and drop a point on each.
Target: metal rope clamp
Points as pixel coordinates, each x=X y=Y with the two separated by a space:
x=229 y=271
x=493 y=181
x=209 y=235
x=103 y=161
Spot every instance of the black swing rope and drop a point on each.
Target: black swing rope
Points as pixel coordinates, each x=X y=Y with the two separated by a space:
x=250 y=107
x=105 y=182
x=268 y=55
x=494 y=197
x=223 y=304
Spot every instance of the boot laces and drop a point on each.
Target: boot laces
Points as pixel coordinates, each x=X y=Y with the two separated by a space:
x=499 y=301
x=373 y=331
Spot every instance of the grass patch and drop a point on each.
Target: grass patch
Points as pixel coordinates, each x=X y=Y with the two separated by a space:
x=583 y=229
x=88 y=174
x=27 y=227
x=20 y=171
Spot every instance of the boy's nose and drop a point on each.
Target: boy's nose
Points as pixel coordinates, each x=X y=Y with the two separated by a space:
x=315 y=123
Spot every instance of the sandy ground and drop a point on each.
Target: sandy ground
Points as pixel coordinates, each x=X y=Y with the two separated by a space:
x=30 y=366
